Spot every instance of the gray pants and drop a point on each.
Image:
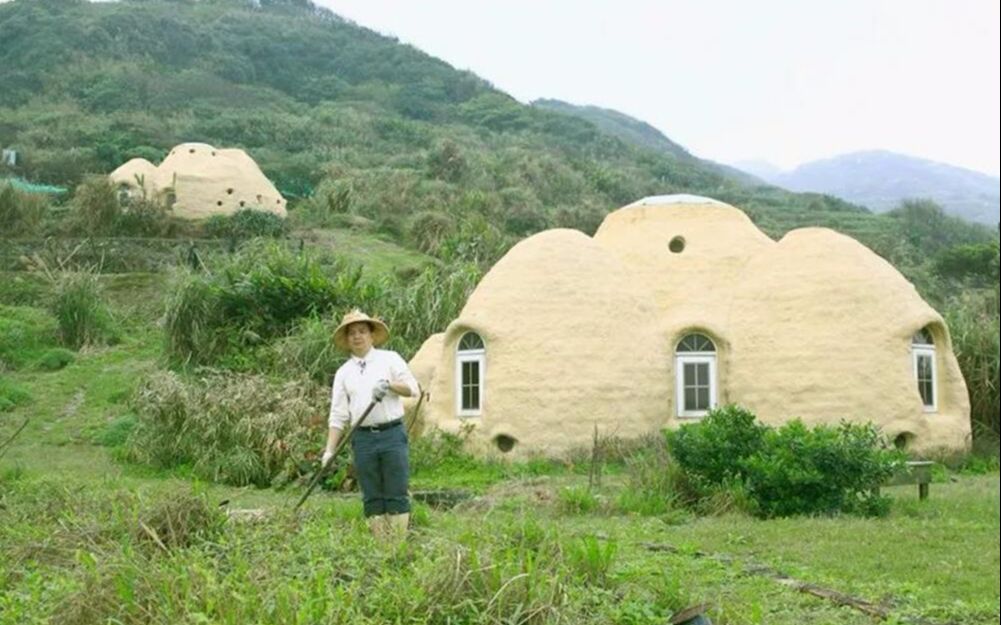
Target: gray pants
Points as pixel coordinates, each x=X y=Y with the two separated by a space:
x=383 y=469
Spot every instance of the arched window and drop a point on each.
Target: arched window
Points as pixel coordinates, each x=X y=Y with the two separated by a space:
x=695 y=367
x=923 y=356
x=470 y=358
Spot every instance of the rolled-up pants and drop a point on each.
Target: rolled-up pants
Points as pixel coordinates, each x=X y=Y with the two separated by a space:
x=382 y=465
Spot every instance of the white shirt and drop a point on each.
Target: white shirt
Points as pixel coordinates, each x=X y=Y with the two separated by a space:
x=351 y=392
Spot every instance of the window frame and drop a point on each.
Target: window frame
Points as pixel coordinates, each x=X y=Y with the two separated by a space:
x=695 y=358
x=919 y=351
x=462 y=357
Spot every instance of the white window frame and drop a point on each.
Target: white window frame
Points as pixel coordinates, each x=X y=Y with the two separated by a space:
x=463 y=356
x=680 y=360
x=926 y=351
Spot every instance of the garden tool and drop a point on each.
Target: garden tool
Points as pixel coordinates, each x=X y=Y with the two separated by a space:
x=340 y=444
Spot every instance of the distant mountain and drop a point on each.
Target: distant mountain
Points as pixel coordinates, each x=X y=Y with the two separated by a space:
x=758 y=167
x=880 y=180
x=640 y=134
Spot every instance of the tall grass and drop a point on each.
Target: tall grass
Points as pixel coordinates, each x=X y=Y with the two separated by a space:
x=230 y=428
x=271 y=306
x=20 y=213
x=974 y=326
x=80 y=309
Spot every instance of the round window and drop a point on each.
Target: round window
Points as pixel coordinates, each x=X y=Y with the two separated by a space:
x=677 y=244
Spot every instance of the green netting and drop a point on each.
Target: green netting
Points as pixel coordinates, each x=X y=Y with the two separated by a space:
x=31 y=187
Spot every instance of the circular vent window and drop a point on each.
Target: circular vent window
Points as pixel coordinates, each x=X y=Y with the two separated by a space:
x=677 y=245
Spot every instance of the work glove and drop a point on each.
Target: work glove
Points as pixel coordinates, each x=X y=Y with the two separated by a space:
x=327 y=455
x=380 y=390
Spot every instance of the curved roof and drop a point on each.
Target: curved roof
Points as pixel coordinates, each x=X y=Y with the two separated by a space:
x=687 y=250
x=568 y=338
x=207 y=181
x=821 y=327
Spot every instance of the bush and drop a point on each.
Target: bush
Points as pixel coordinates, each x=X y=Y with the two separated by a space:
x=143 y=217
x=21 y=213
x=728 y=459
x=237 y=429
x=55 y=359
x=820 y=470
x=259 y=295
x=79 y=308
x=245 y=224
x=94 y=208
x=713 y=450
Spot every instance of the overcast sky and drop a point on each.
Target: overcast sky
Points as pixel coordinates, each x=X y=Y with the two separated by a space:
x=786 y=81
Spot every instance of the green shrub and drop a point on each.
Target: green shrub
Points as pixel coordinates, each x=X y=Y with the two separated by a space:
x=246 y=224
x=821 y=470
x=80 y=310
x=21 y=214
x=144 y=217
x=714 y=449
x=429 y=229
x=55 y=359
x=260 y=294
x=786 y=471
x=232 y=428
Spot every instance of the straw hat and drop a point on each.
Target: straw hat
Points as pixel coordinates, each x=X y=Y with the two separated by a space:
x=380 y=333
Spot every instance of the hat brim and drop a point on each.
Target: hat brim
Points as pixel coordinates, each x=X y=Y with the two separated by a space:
x=380 y=333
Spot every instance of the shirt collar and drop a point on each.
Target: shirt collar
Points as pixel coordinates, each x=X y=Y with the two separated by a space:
x=367 y=358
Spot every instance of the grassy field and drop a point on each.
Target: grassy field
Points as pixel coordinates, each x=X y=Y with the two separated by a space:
x=88 y=539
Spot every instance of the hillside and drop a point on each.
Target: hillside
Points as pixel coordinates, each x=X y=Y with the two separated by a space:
x=640 y=134
x=880 y=180
x=374 y=133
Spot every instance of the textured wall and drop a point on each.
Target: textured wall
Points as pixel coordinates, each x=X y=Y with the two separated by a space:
x=571 y=341
x=820 y=328
x=582 y=330
x=206 y=181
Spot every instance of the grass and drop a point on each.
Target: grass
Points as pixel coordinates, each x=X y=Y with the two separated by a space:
x=90 y=539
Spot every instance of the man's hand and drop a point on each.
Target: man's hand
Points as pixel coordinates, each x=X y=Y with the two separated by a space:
x=328 y=454
x=380 y=390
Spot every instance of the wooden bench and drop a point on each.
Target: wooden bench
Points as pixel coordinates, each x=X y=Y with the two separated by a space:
x=914 y=472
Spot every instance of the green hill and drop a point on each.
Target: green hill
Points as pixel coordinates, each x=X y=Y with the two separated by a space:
x=368 y=129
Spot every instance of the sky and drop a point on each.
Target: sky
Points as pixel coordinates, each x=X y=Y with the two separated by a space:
x=785 y=81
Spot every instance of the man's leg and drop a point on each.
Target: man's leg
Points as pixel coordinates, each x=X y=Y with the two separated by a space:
x=370 y=480
x=396 y=480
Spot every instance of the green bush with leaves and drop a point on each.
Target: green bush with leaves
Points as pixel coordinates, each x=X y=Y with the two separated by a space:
x=713 y=450
x=246 y=224
x=259 y=295
x=825 y=469
x=785 y=471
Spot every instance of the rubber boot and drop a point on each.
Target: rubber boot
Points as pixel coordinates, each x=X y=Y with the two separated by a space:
x=378 y=524
x=397 y=525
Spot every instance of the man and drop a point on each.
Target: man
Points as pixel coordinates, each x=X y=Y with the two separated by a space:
x=380 y=443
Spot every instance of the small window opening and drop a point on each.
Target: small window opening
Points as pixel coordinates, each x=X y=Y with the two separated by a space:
x=677 y=245
x=229 y=191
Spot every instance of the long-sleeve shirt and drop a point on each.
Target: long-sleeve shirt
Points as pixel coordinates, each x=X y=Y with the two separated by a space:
x=354 y=381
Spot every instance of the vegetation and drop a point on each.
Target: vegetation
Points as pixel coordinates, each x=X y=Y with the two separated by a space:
x=787 y=470
x=110 y=495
